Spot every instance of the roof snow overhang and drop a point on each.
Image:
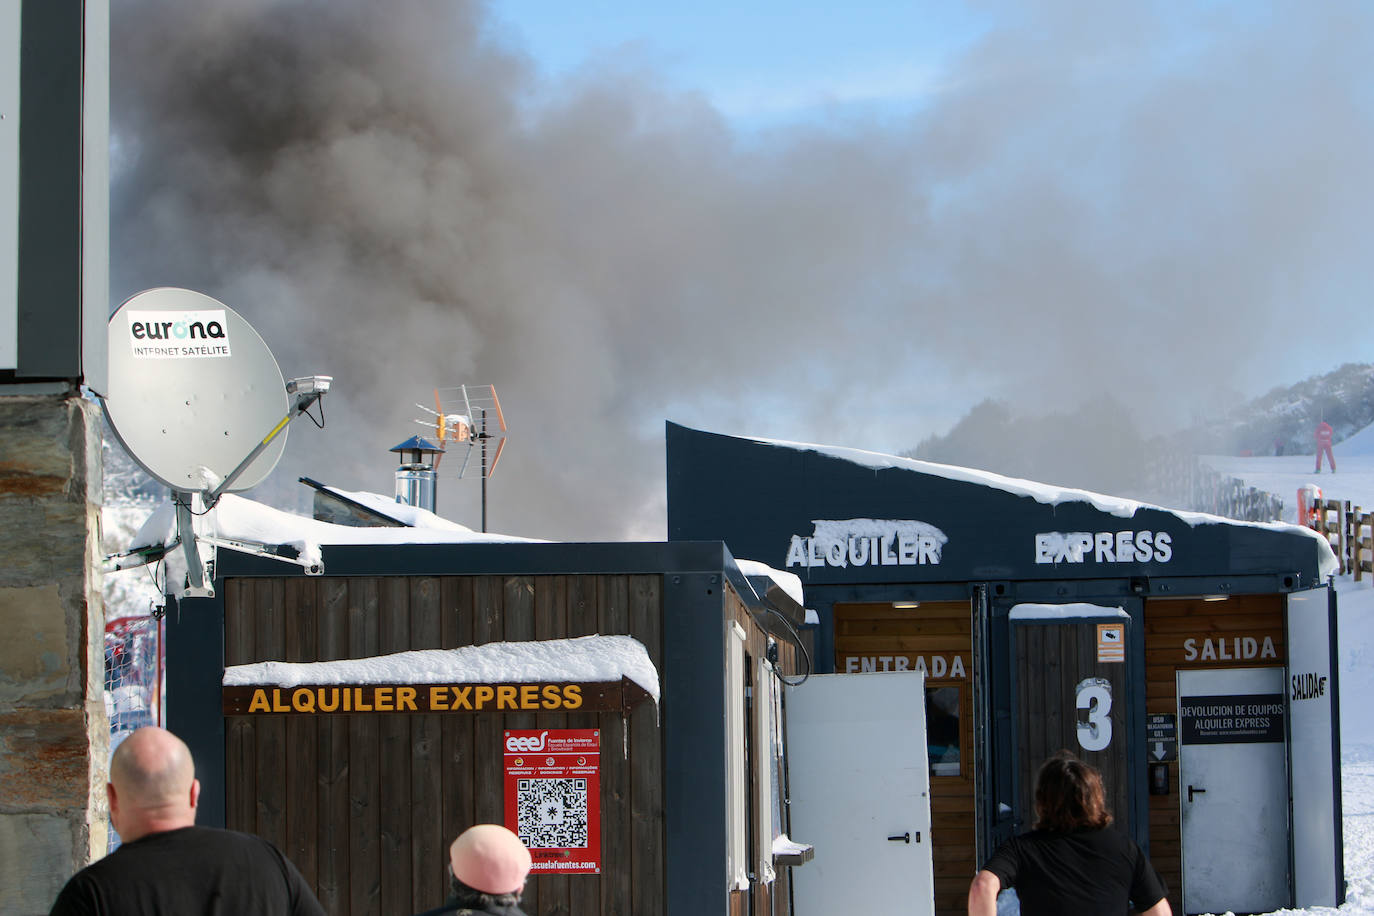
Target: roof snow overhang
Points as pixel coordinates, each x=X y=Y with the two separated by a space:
x=844 y=516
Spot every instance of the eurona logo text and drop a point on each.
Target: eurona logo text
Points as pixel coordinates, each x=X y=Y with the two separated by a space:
x=181 y=329
x=178 y=335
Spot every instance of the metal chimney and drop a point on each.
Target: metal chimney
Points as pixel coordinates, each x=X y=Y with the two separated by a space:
x=416 y=477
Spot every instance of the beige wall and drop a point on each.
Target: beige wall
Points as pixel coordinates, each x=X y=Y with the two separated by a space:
x=53 y=728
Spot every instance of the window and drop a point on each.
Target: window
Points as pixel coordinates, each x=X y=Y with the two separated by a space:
x=943 y=706
x=737 y=778
x=768 y=752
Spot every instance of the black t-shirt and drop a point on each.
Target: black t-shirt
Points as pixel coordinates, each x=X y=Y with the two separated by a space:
x=453 y=909
x=194 y=870
x=1084 y=872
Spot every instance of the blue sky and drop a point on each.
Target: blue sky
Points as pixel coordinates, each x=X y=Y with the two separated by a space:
x=760 y=63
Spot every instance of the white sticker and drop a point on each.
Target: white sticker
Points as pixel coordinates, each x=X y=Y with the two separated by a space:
x=1095 y=695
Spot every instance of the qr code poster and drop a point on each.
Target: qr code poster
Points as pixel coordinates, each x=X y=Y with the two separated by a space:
x=553 y=797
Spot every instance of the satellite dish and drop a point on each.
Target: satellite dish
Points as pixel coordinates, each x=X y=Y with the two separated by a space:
x=197 y=400
x=192 y=390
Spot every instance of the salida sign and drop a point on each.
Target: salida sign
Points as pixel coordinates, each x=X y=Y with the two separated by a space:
x=553 y=797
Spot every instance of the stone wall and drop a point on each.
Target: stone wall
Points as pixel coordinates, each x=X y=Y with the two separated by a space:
x=53 y=728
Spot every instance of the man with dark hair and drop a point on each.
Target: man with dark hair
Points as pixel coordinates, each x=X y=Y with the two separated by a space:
x=1073 y=861
x=488 y=866
x=168 y=865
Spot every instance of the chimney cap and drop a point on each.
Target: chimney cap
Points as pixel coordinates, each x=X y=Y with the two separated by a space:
x=417 y=444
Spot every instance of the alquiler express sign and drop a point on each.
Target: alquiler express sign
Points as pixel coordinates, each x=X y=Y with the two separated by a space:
x=352 y=699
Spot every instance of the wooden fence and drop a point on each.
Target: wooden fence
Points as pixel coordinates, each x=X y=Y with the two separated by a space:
x=1181 y=480
x=1350 y=530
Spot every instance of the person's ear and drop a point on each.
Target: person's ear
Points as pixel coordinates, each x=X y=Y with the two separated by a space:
x=195 y=793
x=113 y=798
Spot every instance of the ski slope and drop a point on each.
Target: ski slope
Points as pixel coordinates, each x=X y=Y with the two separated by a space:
x=1284 y=474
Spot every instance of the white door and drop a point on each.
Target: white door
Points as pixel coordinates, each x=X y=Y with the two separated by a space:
x=857 y=765
x=1233 y=790
x=1318 y=869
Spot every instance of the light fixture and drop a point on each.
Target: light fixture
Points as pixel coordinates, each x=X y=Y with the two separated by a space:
x=1215 y=597
x=906 y=605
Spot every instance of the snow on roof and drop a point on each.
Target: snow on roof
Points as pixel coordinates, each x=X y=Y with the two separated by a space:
x=243 y=519
x=1063 y=611
x=788 y=582
x=237 y=518
x=413 y=516
x=578 y=660
x=1051 y=495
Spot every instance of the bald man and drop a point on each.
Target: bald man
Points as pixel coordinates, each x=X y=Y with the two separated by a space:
x=167 y=864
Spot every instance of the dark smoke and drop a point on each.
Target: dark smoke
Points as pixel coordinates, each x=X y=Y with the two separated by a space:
x=1160 y=205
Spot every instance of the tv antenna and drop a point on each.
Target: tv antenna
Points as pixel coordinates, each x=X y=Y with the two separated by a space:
x=469 y=424
x=197 y=400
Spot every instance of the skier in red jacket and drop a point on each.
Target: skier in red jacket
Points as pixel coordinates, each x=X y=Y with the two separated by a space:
x=1323 y=436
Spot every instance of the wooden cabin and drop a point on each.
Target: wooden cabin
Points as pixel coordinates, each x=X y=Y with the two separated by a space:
x=1191 y=658
x=366 y=802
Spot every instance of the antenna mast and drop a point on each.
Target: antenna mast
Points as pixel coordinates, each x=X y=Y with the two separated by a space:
x=458 y=427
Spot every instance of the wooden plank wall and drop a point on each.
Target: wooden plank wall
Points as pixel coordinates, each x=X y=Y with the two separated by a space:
x=1169 y=625
x=367 y=805
x=1051 y=660
x=934 y=629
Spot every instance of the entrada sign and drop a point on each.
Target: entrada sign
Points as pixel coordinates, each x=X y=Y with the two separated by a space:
x=937 y=666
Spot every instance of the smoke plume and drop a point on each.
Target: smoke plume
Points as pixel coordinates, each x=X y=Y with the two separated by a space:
x=1157 y=205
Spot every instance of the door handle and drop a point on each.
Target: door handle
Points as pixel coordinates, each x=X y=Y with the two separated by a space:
x=903 y=837
x=1195 y=791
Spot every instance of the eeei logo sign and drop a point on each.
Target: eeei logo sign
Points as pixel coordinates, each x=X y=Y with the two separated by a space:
x=526 y=744
x=178 y=335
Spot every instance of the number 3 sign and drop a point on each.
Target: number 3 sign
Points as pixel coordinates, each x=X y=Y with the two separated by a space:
x=1095 y=695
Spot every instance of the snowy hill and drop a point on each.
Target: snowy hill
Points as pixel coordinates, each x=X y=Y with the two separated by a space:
x=1343 y=397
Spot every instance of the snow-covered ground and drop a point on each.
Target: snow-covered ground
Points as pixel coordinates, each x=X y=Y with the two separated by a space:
x=1282 y=475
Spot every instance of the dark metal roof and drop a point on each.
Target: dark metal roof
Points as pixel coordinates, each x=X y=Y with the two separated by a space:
x=835 y=521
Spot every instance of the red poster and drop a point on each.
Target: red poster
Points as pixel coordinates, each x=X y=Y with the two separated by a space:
x=553 y=797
